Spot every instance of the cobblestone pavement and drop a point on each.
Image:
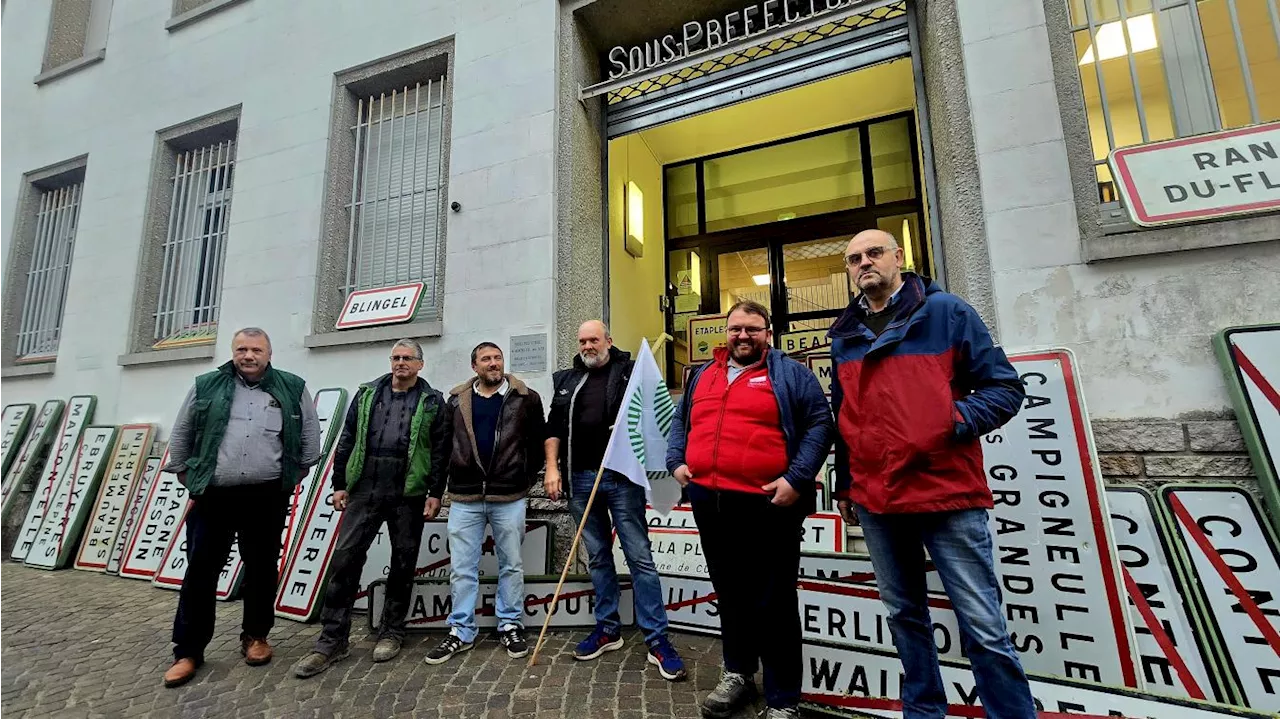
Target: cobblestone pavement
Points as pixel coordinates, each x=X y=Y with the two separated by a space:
x=78 y=644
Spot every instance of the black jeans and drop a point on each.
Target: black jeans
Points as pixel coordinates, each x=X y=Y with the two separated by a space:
x=752 y=549
x=378 y=497
x=254 y=514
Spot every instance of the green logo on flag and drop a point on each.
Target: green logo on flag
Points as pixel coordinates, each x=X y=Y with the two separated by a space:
x=659 y=402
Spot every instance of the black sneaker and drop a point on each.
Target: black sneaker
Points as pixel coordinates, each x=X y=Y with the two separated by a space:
x=445 y=650
x=513 y=639
x=732 y=693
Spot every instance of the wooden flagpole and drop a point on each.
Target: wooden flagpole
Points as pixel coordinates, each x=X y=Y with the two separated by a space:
x=577 y=537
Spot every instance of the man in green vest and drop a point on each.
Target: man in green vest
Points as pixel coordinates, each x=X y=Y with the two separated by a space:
x=392 y=449
x=246 y=433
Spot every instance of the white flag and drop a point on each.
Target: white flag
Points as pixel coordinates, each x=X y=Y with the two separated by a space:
x=638 y=443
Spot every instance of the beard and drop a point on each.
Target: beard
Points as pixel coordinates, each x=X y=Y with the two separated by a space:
x=594 y=361
x=491 y=379
x=746 y=353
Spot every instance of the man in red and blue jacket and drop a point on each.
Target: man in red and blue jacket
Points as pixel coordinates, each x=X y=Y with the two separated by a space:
x=750 y=434
x=918 y=382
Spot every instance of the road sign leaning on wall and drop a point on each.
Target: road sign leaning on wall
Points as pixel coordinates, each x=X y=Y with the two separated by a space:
x=59 y=531
x=1234 y=556
x=107 y=513
x=78 y=415
x=1250 y=359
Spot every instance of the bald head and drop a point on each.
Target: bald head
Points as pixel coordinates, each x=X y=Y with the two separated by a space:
x=594 y=343
x=874 y=262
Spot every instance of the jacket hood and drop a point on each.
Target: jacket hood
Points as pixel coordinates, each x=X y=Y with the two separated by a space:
x=615 y=355
x=516 y=384
x=914 y=289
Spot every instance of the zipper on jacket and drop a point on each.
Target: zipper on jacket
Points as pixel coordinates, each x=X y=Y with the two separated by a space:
x=497 y=437
x=568 y=457
x=715 y=454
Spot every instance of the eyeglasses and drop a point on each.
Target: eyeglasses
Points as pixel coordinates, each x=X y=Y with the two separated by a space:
x=403 y=358
x=750 y=331
x=874 y=253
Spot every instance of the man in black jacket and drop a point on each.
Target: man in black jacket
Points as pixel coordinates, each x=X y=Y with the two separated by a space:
x=381 y=475
x=498 y=431
x=583 y=409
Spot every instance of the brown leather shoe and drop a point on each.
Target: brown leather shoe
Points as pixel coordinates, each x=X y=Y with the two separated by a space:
x=256 y=651
x=180 y=673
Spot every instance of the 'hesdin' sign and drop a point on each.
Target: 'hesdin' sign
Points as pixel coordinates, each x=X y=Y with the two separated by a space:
x=1237 y=562
x=1053 y=549
x=162 y=512
x=381 y=306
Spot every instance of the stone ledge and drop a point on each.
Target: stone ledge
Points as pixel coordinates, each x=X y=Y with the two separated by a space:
x=197 y=14
x=180 y=354
x=1199 y=466
x=373 y=335
x=1220 y=436
x=67 y=68
x=35 y=369
x=1127 y=435
x=1120 y=465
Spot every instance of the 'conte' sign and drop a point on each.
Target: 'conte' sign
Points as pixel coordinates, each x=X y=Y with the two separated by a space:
x=1235 y=558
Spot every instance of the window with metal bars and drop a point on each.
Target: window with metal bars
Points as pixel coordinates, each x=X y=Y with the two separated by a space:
x=196 y=242
x=1157 y=69
x=46 y=293
x=395 y=210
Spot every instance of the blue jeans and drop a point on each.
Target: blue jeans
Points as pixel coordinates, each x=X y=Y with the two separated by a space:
x=466 y=537
x=624 y=501
x=959 y=543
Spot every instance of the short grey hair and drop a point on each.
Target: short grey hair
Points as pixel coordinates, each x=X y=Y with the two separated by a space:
x=409 y=343
x=252 y=332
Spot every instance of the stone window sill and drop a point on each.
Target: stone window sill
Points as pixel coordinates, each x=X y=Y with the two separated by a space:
x=180 y=354
x=373 y=335
x=198 y=14
x=35 y=369
x=1124 y=239
x=67 y=68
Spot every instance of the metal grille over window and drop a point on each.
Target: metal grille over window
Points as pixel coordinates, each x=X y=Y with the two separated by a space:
x=196 y=246
x=395 y=210
x=47 y=279
x=1174 y=68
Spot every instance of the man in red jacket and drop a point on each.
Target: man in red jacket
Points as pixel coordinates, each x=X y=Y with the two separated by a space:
x=747 y=439
x=918 y=382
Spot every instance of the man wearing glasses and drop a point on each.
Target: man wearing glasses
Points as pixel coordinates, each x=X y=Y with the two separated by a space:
x=918 y=382
x=748 y=438
x=393 y=448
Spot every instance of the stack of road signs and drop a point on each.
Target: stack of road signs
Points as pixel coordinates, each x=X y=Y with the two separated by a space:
x=78 y=415
x=107 y=513
x=164 y=506
x=70 y=501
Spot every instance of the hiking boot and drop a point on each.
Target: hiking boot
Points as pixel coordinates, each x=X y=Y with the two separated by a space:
x=386 y=649
x=597 y=643
x=513 y=639
x=776 y=713
x=256 y=651
x=664 y=656
x=445 y=650
x=182 y=671
x=316 y=662
x=732 y=693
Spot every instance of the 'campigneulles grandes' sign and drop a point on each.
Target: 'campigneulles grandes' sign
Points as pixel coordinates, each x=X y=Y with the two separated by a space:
x=694 y=37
